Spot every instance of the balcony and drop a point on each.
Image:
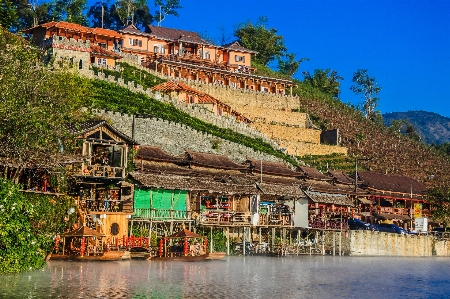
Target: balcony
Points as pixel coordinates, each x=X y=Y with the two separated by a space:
x=160 y=214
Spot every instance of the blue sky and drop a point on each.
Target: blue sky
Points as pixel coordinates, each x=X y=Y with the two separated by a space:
x=404 y=44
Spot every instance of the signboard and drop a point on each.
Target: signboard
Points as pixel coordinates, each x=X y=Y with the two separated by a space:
x=421 y=224
x=417 y=210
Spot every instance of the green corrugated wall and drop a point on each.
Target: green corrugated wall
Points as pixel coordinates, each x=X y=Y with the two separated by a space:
x=160 y=199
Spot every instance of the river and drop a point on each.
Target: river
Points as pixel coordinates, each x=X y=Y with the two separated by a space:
x=237 y=277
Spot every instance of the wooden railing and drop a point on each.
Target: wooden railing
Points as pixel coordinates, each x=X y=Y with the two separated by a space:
x=160 y=214
x=225 y=217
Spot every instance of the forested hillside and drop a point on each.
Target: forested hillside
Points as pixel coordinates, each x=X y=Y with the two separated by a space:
x=431 y=127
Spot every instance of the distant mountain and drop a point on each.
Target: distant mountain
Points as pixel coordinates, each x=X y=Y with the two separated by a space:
x=432 y=127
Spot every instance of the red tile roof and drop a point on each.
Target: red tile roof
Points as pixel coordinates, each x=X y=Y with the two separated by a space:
x=105 y=32
x=61 y=25
x=104 y=52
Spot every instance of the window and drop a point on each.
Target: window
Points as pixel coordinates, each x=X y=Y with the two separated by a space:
x=206 y=55
x=238 y=58
x=101 y=61
x=159 y=49
x=102 y=45
x=135 y=42
x=114 y=229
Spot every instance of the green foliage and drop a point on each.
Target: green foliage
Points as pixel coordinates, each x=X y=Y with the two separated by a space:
x=218 y=236
x=70 y=11
x=444 y=148
x=330 y=162
x=327 y=81
x=266 y=42
x=439 y=199
x=265 y=71
x=369 y=89
x=28 y=226
x=112 y=97
x=8 y=14
x=166 y=7
x=131 y=73
x=36 y=103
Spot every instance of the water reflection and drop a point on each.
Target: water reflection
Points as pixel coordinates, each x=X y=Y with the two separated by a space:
x=237 y=277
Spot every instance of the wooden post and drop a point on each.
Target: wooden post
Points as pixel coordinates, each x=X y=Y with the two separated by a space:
x=228 y=240
x=259 y=240
x=150 y=234
x=334 y=243
x=273 y=237
x=340 y=243
x=211 y=240
x=243 y=240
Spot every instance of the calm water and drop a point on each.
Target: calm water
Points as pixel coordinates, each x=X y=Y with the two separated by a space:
x=237 y=277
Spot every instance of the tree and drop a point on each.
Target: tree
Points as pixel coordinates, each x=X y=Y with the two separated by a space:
x=266 y=42
x=104 y=15
x=439 y=199
x=70 y=11
x=36 y=103
x=8 y=14
x=32 y=14
x=405 y=127
x=369 y=89
x=28 y=226
x=326 y=81
x=287 y=65
x=166 y=7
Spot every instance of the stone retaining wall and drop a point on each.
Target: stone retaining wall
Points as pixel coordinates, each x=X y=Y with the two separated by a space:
x=175 y=138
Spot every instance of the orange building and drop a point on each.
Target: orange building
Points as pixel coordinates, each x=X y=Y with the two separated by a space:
x=172 y=52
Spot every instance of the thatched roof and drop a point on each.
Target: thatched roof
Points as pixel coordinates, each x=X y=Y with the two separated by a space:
x=84 y=231
x=81 y=130
x=391 y=183
x=337 y=199
x=184 y=233
x=341 y=177
x=313 y=173
x=274 y=168
x=211 y=160
x=177 y=182
x=280 y=190
x=155 y=153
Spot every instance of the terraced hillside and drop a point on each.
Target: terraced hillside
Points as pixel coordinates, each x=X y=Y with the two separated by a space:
x=277 y=117
x=378 y=148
